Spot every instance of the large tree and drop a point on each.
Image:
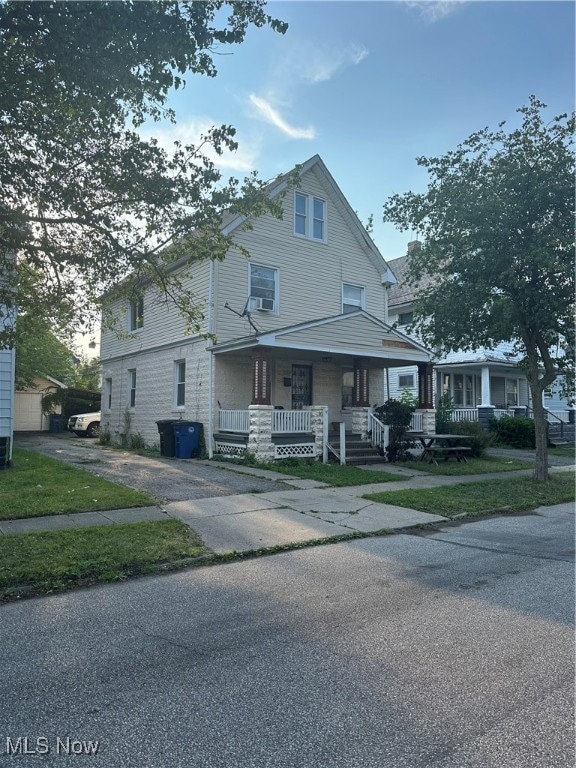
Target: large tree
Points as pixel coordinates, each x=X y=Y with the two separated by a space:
x=39 y=353
x=84 y=198
x=497 y=260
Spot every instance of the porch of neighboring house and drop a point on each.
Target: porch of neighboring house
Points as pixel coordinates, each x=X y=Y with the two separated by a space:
x=304 y=403
x=489 y=392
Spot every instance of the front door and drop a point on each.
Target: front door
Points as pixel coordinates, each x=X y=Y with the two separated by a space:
x=301 y=386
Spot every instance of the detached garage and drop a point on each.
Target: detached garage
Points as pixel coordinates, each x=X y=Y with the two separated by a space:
x=28 y=416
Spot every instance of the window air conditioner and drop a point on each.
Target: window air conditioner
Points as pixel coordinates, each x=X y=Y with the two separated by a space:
x=263 y=305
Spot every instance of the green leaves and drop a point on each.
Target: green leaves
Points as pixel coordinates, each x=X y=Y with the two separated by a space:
x=497 y=261
x=84 y=198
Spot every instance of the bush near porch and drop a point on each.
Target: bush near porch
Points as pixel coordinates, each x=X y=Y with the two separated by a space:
x=516 y=431
x=479 y=440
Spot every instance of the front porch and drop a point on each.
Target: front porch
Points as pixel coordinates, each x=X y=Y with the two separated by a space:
x=270 y=433
x=310 y=385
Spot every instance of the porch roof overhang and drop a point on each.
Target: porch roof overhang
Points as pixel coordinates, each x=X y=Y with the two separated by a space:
x=354 y=334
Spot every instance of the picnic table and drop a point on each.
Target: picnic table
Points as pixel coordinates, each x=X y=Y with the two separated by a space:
x=444 y=446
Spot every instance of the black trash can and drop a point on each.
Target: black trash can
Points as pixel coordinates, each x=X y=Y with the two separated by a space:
x=166 y=436
x=4 y=445
x=56 y=422
x=187 y=439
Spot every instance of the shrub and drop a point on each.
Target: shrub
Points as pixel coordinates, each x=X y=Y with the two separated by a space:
x=137 y=442
x=516 y=431
x=444 y=412
x=105 y=438
x=480 y=439
x=397 y=414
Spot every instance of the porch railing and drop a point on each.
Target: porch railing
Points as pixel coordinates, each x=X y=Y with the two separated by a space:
x=283 y=422
x=378 y=431
x=415 y=423
x=234 y=421
x=291 y=421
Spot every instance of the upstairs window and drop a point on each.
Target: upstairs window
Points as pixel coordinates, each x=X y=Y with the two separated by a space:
x=180 y=383
x=405 y=318
x=263 y=289
x=352 y=298
x=136 y=314
x=309 y=217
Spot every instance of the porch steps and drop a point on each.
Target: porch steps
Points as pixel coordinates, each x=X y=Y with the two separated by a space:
x=358 y=451
x=561 y=434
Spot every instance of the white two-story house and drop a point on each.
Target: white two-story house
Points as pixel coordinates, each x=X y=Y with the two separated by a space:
x=302 y=338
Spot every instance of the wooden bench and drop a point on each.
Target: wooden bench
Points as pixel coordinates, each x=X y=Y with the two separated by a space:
x=459 y=452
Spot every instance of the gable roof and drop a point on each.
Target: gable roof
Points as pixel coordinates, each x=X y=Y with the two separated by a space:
x=358 y=334
x=316 y=163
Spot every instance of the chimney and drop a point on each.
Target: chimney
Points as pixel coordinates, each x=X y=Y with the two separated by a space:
x=414 y=245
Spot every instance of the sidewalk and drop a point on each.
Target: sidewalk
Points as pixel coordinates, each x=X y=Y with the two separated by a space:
x=310 y=510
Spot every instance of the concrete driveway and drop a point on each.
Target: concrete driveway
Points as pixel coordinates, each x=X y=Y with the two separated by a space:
x=164 y=479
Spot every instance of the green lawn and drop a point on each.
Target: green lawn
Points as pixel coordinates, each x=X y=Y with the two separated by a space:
x=332 y=474
x=35 y=563
x=513 y=494
x=38 y=485
x=470 y=467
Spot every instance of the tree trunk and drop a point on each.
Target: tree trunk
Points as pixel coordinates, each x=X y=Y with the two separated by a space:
x=541 y=433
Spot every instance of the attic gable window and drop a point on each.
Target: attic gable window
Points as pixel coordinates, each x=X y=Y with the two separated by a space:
x=136 y=314
x=309 y=217
x=352 y=298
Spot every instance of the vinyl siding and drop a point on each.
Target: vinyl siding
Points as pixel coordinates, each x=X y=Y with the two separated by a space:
x=6 y=391
x=163 y=324
x=311 y=273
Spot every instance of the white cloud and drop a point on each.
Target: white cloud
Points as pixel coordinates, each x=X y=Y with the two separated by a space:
x=243 y=160
x=434 y=10
x=323 y=64
x=271 y=115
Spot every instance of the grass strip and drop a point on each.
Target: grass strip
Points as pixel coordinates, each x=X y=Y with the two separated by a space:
x=470 y=467
x=513 y=494
x=39 y=485
x=48 y=561
x=331 y=474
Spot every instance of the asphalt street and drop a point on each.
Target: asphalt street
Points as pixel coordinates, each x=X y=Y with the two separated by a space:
x=452 y=649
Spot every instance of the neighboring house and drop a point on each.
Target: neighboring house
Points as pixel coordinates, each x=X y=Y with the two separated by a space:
x=28 y=414
x=312 y=351
x=7 y=378
x=485 y=379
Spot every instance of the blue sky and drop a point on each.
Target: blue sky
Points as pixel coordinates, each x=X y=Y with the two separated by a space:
x=370 y=86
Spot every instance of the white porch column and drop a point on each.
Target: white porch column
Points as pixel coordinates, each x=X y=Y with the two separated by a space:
x=485 y=398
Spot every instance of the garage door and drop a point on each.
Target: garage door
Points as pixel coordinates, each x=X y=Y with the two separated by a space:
x=28 y=411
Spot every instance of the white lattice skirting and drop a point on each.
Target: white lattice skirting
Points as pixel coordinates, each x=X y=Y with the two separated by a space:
x=306 y=450
x=230 y=449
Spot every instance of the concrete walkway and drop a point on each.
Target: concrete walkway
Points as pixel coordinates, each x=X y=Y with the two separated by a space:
x=310 y=510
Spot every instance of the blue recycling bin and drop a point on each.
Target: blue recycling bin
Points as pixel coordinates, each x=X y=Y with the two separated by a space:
x=56 y=422
x=186 y=439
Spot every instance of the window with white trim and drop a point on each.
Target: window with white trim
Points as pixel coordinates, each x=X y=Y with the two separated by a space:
x=136 y=314
x=309 y=217
x=406 y=380
x=132 y=387
x=352 y=298
x=180 y=383
x=263 y=288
